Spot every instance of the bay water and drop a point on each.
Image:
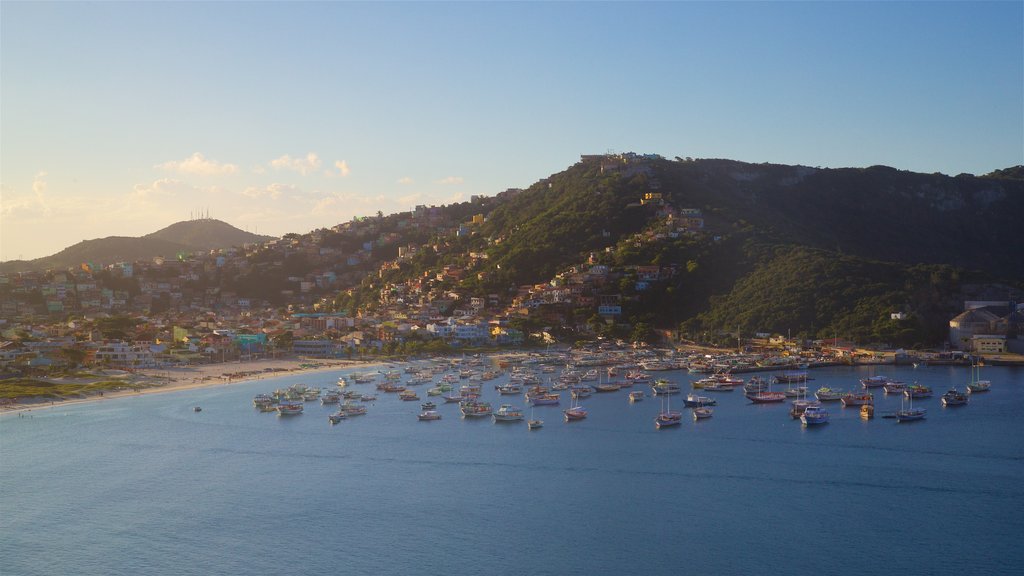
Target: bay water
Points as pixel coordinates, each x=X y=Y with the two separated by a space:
x=146 y=485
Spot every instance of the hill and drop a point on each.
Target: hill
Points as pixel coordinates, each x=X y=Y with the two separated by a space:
x=187 y=236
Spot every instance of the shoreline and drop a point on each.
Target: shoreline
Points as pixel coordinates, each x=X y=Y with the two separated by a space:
x=157 y=381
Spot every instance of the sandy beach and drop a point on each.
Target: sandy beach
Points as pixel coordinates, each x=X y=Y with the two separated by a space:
x=159 y=381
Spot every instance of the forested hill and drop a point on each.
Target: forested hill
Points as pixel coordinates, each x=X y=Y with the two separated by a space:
x=879 y=213
x=186 y=236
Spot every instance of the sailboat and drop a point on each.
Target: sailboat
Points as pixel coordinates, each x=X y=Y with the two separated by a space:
x=910 y=414
x=574 y=411
x=975 y=384
x=667 y=416
x=532 y=423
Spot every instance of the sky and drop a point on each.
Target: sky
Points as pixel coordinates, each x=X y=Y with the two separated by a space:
x=121 y=118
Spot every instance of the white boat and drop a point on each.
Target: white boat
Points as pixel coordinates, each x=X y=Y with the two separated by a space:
x=636 y=396
x=910 y=413
x=814 y=415
x=702 y=413
x=429 y=415
x=507 y=413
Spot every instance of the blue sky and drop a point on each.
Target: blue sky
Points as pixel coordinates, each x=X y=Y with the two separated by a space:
x=122 y=118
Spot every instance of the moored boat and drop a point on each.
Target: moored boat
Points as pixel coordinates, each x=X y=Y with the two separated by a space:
x=954 y=397
x=636 y=396
x=826 y=394
x=857 y=399
x=814 y=415
x=429 y=415
x=507 y=413
x=475 y=409
x=695 y=401
x=702 y=413
x=916 y=390
x=289 y=409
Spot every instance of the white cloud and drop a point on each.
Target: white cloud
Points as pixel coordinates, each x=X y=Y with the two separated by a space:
x=273 y=191
x=343 y=168
x=405 y=180
x=162 y=188
x=198 y=164
x=259 y=170
x=301 y=165
x=449 y=180
x=39 y=184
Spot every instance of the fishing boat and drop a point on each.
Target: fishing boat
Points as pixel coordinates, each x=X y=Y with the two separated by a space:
x=664 y=387
x=916 y=390
x=695 y=401
x=428 y=406
x=814 y=415
x=429 y=415
x=475 y=409
x=578 y=392
x=509 y=389
x=826 y=394
x=797 y=407
x=337 y=417
x=544 y=400
x=330 y=398
x=874 y=382
x=350 y=408
x=857 y=399
x=867 y=412
x=408 y=395
x=289 y=409
x=954 y=397
x=755 y=384
x=636 y=396
x=607 y=387
x=368 y=398
x=894 y=387
x=720 y=387
x=792 y=377
x=702 y=413
x=507 y=413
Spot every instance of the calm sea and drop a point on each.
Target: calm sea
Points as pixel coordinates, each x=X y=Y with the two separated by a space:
x=145 y=485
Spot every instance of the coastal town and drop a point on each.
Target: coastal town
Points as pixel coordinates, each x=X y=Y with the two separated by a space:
x=409 y=284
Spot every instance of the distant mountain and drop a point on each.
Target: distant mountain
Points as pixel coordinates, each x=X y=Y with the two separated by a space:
x=188 y=236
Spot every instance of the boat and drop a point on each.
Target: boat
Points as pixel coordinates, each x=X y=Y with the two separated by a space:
x=894 y=387
x=916 y=390
x=702 y=413
x=607 y=387
x=428 y=406
x=954 y=397
x=368 y=398
x=720 y=387
x=330 y=398
x=695 y=401
x=350 y=408
x=826 y=394
x=507 y=413
x=408 y=395
x=509 y=389
x=792 y=377
x=636 y=396
x=533 y=423
x=574 y=412
x=197 y=409
x=764 y=397
x=578 y=392
x=874 y=382
x=429 y=415
x=814 y=415
x=544 y=400
x=857 y=399
x=475 y=409
x=910 y=414
x=976 y=384
x=867 y=412
x=289 y=409
x=756 y=384
x=797 y=407
x=667 y=417
x=664 y=387
x=337 y=417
